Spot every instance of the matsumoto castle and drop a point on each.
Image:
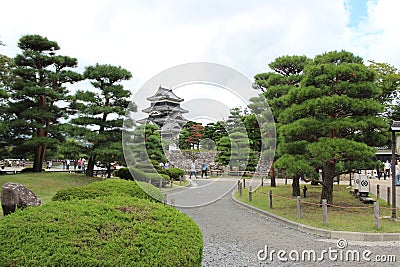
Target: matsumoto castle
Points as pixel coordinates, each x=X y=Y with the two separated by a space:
x=165 y=111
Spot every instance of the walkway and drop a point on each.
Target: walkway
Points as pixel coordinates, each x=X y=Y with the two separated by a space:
x=233 y=235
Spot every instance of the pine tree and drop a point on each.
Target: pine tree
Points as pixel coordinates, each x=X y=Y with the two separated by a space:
x=100 y=114
x=34 y=110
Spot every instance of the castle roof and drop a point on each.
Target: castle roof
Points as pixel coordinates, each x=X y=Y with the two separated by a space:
x=164 y=94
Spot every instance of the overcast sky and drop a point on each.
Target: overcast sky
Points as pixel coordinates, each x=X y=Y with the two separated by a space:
x=147 y=37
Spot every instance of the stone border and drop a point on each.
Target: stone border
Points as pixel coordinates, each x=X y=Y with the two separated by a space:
x=353 y=236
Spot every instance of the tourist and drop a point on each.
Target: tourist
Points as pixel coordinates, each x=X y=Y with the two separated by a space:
x=192 y=170
x=68 y=162
x=166 y=165
x=83 y=164
x=397 y=169
x=79 y=163
x=204 y=169
x=161 y=165
x=387 y=169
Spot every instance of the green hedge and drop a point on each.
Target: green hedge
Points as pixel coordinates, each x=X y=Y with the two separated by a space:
x=110 y=187
x=106 y=231
x=139 y=175
x=175 y=173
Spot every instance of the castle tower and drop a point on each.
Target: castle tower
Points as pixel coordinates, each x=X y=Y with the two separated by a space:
x=165 y=112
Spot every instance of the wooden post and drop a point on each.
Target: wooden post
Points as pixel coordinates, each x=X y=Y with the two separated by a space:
x=165 y=198
x=180 y=180
x=388 y=196
x=160 y=184
x=325 y=211
x=244 y=183
x=376 y=213
x=250 y=194
x=378 y=191
x=238 y=184
x=270 y=199
x=240 y=189
x=172 y=182
x=299 y=207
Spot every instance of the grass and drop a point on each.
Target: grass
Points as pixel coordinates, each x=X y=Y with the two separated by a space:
x=46 y=184
x=342 y=218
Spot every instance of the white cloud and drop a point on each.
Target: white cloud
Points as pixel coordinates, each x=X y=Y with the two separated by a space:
x=147 y=37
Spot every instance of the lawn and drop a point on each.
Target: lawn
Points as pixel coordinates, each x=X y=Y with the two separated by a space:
x=346 y=214
x=46 y=184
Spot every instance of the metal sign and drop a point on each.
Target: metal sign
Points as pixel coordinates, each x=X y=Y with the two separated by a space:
x=356 y=181
x=364 y=183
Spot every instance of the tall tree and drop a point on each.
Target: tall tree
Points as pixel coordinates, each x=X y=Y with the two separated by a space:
x=388 y=81
x=34 y=110
x=100 y=113
x=287 y=74
x=195 y=135
x=332 y=118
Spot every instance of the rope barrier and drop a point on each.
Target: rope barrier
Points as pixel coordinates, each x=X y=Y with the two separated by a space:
x=329 y=205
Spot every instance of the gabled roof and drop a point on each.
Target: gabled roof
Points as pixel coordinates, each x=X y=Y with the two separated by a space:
x=164 y=94
x=164 y=109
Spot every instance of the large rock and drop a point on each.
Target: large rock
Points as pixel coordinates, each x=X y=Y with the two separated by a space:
x=15 y=196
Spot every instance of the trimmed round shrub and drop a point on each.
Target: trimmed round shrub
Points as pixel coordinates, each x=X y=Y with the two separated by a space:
x=106 y=231
x=110 y=187
x=175 y=173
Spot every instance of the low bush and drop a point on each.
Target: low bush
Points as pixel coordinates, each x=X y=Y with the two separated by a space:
x=106 y=231
x=123 y=173
x=175 y=173
x=110 y=187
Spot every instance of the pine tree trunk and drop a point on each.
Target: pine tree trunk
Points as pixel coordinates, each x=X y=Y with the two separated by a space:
x=37 y=166
x=109 y=170
x=295 y=186
x=327 y=177
x=90 y=166
x=272 y=174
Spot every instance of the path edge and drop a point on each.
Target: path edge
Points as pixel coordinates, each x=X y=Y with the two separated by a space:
x=353 y=236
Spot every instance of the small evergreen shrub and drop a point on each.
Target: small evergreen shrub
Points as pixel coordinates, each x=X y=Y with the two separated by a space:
x=106 y=231
x=175 y=173
x=110 y=187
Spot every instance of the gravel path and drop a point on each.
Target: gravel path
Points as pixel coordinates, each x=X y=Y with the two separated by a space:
x=233 y=236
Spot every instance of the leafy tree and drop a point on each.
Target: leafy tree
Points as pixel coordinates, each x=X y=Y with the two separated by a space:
x=224 y=148
x=388 y=81
x=34 y=111
x=331 y=118
x=184 y=135
x=195 y=135
x=153 y=144
x=215 y=131
x=286 y=75
x=100 y=114
x=6 y=77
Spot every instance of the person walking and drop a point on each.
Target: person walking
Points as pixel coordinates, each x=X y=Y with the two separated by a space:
x=204 y=169
x=387 y=169
x=192 y=170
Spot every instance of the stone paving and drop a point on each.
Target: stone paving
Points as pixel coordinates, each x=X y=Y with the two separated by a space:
x=237 y=236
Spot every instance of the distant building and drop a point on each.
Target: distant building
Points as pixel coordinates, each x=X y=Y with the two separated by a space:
x=166 y=113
